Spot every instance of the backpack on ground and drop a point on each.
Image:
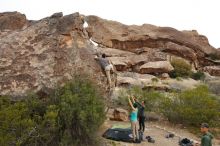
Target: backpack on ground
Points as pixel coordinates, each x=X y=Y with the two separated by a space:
x=185 y=142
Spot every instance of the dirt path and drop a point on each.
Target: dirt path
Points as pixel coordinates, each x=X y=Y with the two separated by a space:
x=156 y=130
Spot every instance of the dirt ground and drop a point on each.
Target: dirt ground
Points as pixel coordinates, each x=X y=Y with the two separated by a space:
x=156 y=130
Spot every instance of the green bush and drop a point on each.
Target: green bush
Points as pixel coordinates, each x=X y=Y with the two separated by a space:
x=15 y=124
x=198 y=75
x=121 y=100
x=155 y=80
x=181 y=68
x=81 y=113
x=69 y=117
x=27 y=123
x=179 y=79
x=192 y=107
x=152 y=98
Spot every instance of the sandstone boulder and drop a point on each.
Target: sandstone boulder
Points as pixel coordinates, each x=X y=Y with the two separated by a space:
x=128 y=81
x=12 y=21
x=180 y=50
x=120 y=114
x=133 y=79
x=120 y=63
x=156 y=67
x=212 y=70
x=46 y=55
x=164 y=76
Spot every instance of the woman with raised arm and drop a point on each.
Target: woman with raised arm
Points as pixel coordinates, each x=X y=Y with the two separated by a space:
x=133 y=119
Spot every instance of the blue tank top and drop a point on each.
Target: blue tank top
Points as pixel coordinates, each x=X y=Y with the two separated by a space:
x=133 y=116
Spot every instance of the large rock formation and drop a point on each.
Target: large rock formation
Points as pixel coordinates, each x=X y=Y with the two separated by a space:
x=41 y=55
x=156 y=67
x=45 y=55
x=187 y=44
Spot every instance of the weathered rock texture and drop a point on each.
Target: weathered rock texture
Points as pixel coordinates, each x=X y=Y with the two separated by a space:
x=45 y=55
x=12 y=21
x=39 y=55
x=158 y=67
x=187 y=44
x=119 y=114
x=213 y=70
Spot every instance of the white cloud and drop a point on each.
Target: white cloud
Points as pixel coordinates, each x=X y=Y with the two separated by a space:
x=201 y=15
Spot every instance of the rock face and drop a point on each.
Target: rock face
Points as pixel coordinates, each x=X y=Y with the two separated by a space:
x=218 y=51
x=134 y=79
x=12 y=21
x=156 y=67
x=186 y=44
x=213 y=70
x=45 y=55
x=120 y=114
x=40 y=55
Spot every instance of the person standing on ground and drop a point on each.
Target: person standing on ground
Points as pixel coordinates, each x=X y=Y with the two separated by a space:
x=207 y=137
x=133 y=119
x=141 y=115
x=106 y=66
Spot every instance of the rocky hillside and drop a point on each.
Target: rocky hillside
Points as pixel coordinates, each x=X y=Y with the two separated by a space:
x=41 y=55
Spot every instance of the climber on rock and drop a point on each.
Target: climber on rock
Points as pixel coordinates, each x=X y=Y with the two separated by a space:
x=107 y=66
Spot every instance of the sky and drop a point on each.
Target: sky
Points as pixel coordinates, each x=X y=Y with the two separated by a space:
x=200 y=15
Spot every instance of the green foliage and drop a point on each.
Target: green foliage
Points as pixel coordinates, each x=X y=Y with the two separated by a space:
x=179 y=79
x=69 y=117
x=198 y=75
x=26 y=122
x=81 y=113
x=152 y=98
x=15 y=124
x=122 y=100
x=192 y=107
x=4 y=102
x=181 y=68
x=155 y=80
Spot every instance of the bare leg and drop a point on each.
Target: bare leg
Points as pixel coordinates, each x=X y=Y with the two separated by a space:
x=108 y=77
x=136 y=130
x=133 y=130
